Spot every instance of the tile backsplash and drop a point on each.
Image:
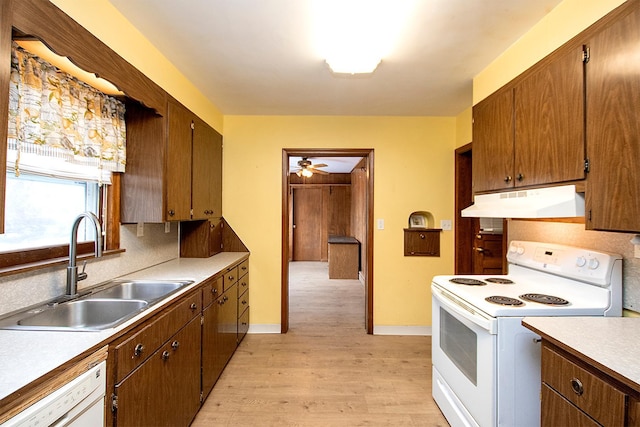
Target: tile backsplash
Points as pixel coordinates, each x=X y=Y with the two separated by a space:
x=25 y=289
x=576 y=235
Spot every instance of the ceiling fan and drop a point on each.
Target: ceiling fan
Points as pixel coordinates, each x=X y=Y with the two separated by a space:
x=307 y=169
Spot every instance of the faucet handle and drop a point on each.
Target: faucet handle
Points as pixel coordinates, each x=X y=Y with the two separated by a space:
x=82 y=275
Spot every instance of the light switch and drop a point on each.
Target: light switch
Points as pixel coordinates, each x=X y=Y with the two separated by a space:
x=445 y=224
x=380 y=224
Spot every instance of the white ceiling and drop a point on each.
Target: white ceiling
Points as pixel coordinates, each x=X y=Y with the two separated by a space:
x=334 y=164
x=256 y=57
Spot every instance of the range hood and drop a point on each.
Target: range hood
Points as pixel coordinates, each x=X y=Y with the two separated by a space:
x=548 y=202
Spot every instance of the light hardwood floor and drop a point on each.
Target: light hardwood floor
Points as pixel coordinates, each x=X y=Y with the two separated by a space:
x=326 y=371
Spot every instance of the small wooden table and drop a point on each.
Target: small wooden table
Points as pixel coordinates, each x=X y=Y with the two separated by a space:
x=344 y=257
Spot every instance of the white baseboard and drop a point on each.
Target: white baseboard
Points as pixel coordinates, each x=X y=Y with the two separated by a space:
x=402 y=330
x=265 y=329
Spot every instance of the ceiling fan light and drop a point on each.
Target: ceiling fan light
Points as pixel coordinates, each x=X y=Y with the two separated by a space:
x=306 y=173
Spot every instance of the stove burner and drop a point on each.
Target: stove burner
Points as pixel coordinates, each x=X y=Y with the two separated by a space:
x=500 y=280
x=467 y=281
x=544 y=299
x=498 y=299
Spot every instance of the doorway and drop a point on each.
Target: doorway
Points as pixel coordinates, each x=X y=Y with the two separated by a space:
x=363 y=196
x=477 y=250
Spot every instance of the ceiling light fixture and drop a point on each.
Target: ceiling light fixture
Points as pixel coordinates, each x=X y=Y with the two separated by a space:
x=353 y=36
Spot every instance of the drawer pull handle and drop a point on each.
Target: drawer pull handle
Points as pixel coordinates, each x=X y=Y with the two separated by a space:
x=193 y=306
x=230 y=277
x=165 y=355
x=244 y=268
x=214 y=290
x=137 y=351
x=244 y=302
x=175 y=345
x=243 y=284
x=577 y=387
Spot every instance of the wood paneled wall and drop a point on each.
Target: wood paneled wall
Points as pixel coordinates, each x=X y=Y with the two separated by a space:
x=359 y=209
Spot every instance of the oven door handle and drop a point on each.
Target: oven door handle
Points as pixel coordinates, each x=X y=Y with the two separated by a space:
x=463 y=309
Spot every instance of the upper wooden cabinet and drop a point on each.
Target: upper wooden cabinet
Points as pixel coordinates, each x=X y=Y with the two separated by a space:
x=174 y=167
x=493 y=142
x=613 y=127
x=531 y=132
x=549 y=122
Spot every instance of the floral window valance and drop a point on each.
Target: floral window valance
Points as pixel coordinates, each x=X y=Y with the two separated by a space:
x=56 y=119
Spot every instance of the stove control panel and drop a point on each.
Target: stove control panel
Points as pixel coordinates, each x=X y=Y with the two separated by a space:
x=577 y=263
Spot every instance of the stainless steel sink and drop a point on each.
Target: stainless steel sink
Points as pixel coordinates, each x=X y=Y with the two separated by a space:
x=147 y=290
x=103 y=307
x=87 y=314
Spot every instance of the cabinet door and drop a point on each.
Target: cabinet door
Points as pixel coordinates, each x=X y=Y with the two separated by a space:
x=549 y=123
x=178 y=163
x=164 y=390
x=613 y=128
x=211 y=345
x=228 y=324
x=207 y=171
x=493 y=142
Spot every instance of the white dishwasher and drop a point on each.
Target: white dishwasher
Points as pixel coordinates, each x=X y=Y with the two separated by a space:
x=78 y=403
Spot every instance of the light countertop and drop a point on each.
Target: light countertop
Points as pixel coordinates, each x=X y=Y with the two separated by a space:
x=26 y=356
x=611 y=344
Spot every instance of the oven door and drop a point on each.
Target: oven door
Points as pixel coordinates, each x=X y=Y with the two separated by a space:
x=464 y=361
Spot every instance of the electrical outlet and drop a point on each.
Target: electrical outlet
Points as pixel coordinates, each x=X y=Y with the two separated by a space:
x=140 y=229
x=445 y=224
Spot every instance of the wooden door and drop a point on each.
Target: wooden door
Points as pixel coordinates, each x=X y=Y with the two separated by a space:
x=549 y=123
x=493 y=142
x=206 y=180
x=613 y=128
x=337 y=204
x=178 y=164
x=307 y=224
x=489 y=253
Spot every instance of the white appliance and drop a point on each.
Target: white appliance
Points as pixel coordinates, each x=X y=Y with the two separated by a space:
x=78 y=403
x=486 y=365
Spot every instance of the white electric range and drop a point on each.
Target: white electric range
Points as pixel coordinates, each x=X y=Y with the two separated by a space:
x=486 y=365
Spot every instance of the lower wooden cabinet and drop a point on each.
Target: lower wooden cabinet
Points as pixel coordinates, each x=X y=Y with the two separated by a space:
x=165 y=389
x=160 y=372
x=577 y=394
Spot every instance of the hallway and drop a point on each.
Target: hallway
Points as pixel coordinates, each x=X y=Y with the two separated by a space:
x=326 y=371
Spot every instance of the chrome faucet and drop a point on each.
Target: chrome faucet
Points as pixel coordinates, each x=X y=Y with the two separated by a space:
x=72 y=269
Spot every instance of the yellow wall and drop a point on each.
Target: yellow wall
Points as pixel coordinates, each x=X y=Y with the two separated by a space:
x=560 y=25
x=413 y=172
x=463 y=128
x=104 y=21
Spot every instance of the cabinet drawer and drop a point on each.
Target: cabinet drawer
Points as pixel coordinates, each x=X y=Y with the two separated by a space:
x=243 y=325
x=243 y=268
x=211 y=290
x=230 y=277
x=593 y=395
x=243 y=284
x=139 y=346
x=558 y=411
x=243 y=301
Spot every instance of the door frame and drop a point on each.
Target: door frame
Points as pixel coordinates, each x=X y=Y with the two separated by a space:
x=368 y=156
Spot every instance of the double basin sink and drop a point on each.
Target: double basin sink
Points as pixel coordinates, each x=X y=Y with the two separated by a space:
x=105 y=307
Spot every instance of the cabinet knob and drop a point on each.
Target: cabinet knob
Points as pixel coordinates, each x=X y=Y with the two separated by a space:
x=231 y=278
x=421 y=236
x=507 y=178
x=244 y=302
x=243 y=284
x=175 y=345
x=165 y=355
x=172 y=212
x=520 y=177
x=577 y=386
x=214 y=291
x=193 y=306
x=479 y=250
x=479 y=236
x=137 y=351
